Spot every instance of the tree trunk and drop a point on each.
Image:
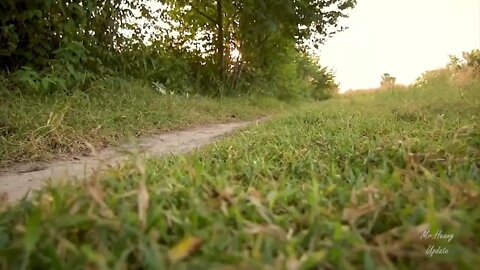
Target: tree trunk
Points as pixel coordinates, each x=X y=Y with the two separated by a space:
x=220 y=39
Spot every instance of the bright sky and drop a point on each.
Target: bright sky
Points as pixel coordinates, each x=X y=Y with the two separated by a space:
x=400 y=37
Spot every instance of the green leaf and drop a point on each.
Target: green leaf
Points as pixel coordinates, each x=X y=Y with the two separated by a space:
x=33 y=230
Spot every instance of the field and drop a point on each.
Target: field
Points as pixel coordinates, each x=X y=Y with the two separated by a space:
x=375 y=181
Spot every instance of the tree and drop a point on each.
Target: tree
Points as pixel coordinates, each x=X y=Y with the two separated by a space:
x=472 y=59
x=388 y=81
x=166 y=40
x=252 y=27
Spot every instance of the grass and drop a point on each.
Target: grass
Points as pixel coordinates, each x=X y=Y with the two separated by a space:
x=348 y=183
x=40 y=127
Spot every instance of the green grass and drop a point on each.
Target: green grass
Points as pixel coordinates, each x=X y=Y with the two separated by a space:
x=39 y=127
x=343 y=184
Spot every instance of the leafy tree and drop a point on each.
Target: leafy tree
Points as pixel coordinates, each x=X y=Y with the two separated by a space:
x=172 y=42
x=388 y=81
x=472 y=59
x=258 y=29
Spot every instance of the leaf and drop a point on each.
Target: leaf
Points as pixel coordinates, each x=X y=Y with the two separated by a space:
x=351 y=214
x=93 y=256
x=268 y=229
x=95 y=190
x=184 y=248
x=312 y=260
x=77 y=221
x=143 y=200
x=3 y=200
x=32 y=231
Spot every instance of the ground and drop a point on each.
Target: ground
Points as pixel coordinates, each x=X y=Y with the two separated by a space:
x=375 y=181
x=21 y=180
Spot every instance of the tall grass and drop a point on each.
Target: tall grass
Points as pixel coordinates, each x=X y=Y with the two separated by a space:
x=38 y=127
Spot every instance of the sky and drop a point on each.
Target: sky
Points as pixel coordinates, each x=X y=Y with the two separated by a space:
x=400 y=37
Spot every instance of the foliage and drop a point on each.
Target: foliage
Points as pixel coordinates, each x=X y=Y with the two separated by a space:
x=35 y=33
x=388 y=81
x=185 y=45
x=472 y=59
x=353 y=183
x=460 y=72
x=322 y=83
x=433 y=77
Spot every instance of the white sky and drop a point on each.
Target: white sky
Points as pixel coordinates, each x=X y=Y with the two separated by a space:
x=400 y=37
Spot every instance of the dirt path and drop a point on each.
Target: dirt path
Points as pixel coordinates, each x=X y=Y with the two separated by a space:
x=17 y=181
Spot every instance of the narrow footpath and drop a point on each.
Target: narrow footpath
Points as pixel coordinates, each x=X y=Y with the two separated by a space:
x=20 y=180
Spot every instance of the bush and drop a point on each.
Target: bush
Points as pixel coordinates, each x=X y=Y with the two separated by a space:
x=458 y=72
x=59 y=45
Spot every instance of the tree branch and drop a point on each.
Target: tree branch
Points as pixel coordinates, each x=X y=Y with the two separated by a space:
x=203 y=14
x=264 y=40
